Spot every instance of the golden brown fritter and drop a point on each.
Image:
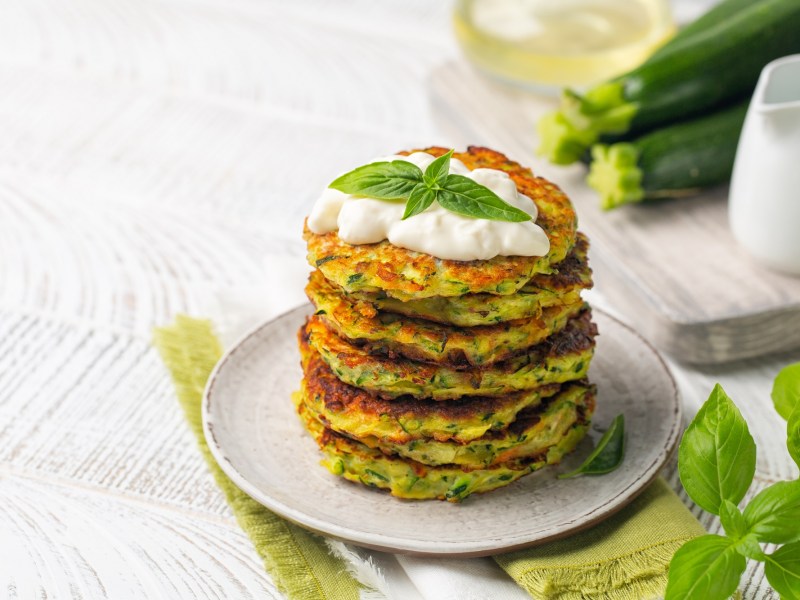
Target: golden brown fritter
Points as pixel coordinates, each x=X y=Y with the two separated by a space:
x=388 y=333
x=405 y=274
x=437 y=378
x=361 y=413
x=535 y=430
x=562 y=287
x=562 y=357
x=406 y=478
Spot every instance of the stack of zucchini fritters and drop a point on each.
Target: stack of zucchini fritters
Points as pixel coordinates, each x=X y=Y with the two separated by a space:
x=438 y=378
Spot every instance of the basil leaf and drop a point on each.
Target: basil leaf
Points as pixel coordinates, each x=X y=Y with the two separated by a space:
x=707 y=567
x=786 y=390
x=421 y=198
x=732 y=520
x=749 y=547
x=782 y=569
x=774 y=514
x=717 y=455
x=381 y=180
x=438 y=170
x=793 y=435
x=463 y=196
x=400 y=179
x=608 y=454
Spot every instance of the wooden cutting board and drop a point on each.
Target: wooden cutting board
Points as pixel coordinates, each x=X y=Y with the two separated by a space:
x=672 y=268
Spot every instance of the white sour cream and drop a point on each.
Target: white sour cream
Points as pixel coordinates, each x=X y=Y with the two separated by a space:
x=435 y=231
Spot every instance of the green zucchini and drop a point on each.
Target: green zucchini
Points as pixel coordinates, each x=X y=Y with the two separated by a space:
x=713 y=17
x=716 y=63
x=669 y=162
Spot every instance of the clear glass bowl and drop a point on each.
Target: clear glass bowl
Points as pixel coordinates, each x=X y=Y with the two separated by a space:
x=548 y=44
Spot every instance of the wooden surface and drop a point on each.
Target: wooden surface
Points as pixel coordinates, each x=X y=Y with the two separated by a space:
x=673 y=267
x=154 y=151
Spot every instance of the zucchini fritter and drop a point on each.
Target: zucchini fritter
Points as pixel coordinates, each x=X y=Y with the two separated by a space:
x=405 y=274
x=387 y=333
x=361 y=413
x=563 y=287
x=406 y=478
x=435 y=378
x=534 y=431
x=563 y=357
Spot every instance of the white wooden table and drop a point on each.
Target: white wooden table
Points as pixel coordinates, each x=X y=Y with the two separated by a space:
x=149 y=150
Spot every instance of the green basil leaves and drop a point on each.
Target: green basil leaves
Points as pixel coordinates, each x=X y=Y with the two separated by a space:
x=783 y=570
x=786 y=390
x=402 y=180
x=717 y=456
x=716 y=462
x=705 y=568
x=381 y=180
x=608 y=454
x=463 y=196
x=774 y=514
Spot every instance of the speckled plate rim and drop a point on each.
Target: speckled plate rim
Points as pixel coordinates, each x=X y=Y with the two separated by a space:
x=423 y=548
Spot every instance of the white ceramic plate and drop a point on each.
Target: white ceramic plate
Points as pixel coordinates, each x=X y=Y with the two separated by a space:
x=257 y=438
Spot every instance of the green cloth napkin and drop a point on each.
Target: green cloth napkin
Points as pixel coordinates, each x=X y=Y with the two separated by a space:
x=623 y=558
x=299 y=562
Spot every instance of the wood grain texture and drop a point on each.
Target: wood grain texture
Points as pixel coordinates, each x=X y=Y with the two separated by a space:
x=98 y=409
x=103 y=493
x=673 y=267
x=150 y=153
x=154 y=214
x=61 y=541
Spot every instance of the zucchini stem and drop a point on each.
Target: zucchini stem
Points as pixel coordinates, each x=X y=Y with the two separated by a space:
x=567 y=133
x=615 y=175
x=669 y=162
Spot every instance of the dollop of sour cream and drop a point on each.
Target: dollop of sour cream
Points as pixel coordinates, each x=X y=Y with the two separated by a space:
x=434 y=231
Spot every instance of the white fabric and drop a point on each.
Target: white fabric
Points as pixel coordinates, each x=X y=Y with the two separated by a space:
x=461 y=579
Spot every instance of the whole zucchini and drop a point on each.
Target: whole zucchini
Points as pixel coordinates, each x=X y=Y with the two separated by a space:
x=717 y=62
x=717 y=14
x=669 y=162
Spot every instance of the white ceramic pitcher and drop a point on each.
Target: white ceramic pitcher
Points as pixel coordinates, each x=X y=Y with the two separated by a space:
x=765 y=186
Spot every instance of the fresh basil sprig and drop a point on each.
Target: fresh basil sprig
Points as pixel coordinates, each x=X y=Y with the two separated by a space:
x=717 y=456
x=402 y=180
x=381 y=180
x=716 y=462
x=608 y=453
